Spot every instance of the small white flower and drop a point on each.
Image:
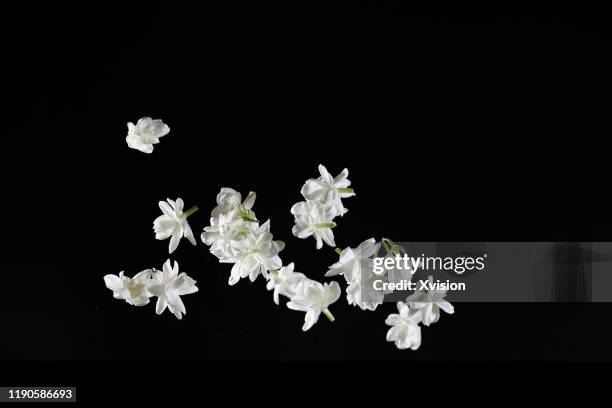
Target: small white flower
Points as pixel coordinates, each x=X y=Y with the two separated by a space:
x=132 y=290
x=286 y=282
x=314 y=300
x=168 y=285
x=351 y=259
x=313 y=219
x=255 y=255
x=223 y=231
x=145 y=133
x=363 y=293
x=329 y=190
x=430 y=303
x=406 y=332
x=229 y=200
x=173 y=223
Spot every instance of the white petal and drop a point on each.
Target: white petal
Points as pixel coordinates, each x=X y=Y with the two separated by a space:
x=161 y=305
x=167 y=209
x=113 y=282
x=174 y=241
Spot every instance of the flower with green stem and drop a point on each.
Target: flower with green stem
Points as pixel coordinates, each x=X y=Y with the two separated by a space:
x=329 y=190
x=313 y=219
x=173 y=223
x=255 y=254
x=314 y=300
x=230 y=201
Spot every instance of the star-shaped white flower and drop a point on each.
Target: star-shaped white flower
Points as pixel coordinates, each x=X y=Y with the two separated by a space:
x=230 y=200
x=223 y=231
x=406 y=332
x=168 y=285
x=314 y=300
x=430 y=303
x=286 y=282
x=255 y=254
x=132 y=290
x=329 y=190
x=313 y=219
x=145 y=133
x=173 y=223
x=351 y=260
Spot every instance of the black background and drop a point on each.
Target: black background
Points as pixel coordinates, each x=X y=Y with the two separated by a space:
x=461 y=127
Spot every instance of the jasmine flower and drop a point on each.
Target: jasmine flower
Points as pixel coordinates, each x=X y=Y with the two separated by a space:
x=329 y=190
x=405 y=330
x=313 y=219
x=314 y=300
x=173 y=223
x=145 y=133
x=168 y=285
x=132 y=290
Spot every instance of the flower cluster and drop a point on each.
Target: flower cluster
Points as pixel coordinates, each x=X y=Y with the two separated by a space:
x=236 y=237
x=168 y=285
x=420 y=307
x=315 y=216
x=356 y=266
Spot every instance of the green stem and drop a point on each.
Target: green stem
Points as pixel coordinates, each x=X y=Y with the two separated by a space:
x=326 y=225
x=338 y=251
x=346 y=190
x=329 y=316
x=190 y=211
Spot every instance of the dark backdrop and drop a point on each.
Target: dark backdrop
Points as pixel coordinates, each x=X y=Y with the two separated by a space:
x=453 y=128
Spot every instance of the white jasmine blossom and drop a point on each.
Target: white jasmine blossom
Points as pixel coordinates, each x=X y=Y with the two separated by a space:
x=313 y=219
x=145 y=133
x=173 y=223
x=168 y=285
x=255 y=254
x=329 y=190
x=351 y=260
x=230 y=200
x=406 y=332
x=314 y=300
x=286 y=282
x=430 y=303
x=223 y=231
x=132 y=290
x=363 y=293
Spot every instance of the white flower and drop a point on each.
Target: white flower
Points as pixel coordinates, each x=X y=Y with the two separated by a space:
x=430 y=303
x=168 y=285
x=229 y=200
x=350 y=263
x=255 y=255
x=173 y=223
x=286 y=282
x=223 y=231
x=329 y=190
x=145 y=133
x=313 y=219
x=314 y=300
x=406 y=332
x=132 y=290
x=363 y=293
